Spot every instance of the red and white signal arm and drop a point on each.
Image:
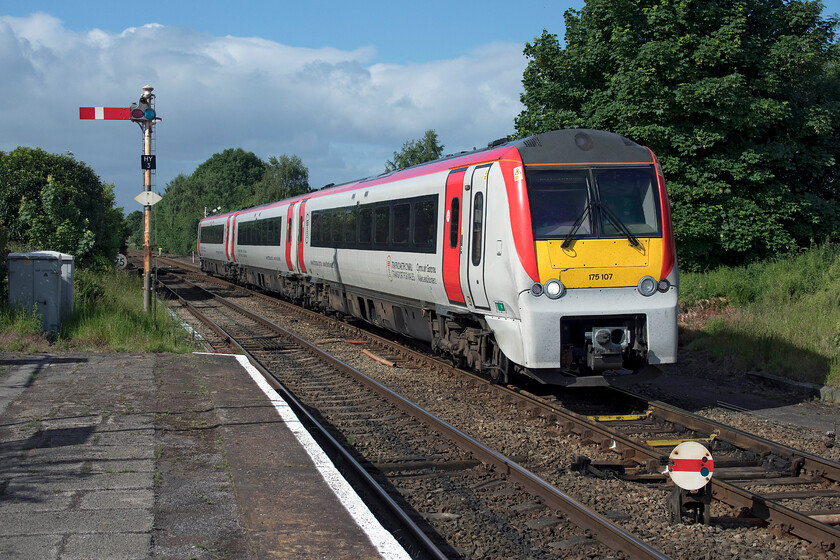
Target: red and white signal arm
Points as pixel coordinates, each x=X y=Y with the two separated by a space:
x=105 y=113
x=691 y=465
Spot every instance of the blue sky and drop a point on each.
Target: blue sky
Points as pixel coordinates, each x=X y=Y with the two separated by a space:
x=340 y=84
x=400 y=32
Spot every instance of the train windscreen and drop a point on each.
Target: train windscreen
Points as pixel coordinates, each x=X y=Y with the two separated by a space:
x=605 y=202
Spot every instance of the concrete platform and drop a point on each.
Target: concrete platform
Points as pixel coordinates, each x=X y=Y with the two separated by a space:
x=164 y=456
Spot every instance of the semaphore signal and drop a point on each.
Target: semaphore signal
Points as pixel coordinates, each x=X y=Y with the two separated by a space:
x=105 y=113
x=143 y=113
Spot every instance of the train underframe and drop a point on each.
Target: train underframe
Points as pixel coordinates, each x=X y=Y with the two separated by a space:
x=589 y=348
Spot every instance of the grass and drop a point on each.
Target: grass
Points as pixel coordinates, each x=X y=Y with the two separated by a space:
x=107 y=316
x=781 y=317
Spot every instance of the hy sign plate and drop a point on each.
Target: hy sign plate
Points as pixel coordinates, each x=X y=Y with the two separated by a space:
x=148 y=162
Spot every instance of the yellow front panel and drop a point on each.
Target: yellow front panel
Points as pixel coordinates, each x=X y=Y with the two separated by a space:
x=599 y=263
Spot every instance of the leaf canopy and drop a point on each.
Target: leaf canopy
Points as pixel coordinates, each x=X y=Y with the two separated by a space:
x=739 y=100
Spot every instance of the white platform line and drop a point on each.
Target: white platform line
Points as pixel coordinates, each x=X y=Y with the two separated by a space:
x=382 y=540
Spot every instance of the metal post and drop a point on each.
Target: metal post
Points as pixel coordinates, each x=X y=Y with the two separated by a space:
x=147 y=210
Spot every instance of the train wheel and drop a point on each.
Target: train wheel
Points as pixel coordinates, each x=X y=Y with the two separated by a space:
x=499 y=373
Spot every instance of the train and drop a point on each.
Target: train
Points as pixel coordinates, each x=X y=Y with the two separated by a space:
x=550 y=256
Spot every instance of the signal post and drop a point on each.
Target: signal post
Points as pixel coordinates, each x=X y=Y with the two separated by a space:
x=143 y=113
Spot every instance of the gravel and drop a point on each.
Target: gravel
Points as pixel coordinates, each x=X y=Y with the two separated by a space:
x=540 y=447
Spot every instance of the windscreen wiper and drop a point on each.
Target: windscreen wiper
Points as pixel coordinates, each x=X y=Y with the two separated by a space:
x=619 y=225
x=576 y=226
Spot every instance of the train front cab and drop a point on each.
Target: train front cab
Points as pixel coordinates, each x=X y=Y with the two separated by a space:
x=606 y=301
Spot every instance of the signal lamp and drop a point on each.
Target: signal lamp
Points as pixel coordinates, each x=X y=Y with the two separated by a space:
x=142 y=111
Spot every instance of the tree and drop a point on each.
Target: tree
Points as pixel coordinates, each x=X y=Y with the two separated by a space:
x=740 y=100
x=53 y=202
x=284 y=177
x=135 y=226
x=227 y=180
x=55 y=221
x=414 y=152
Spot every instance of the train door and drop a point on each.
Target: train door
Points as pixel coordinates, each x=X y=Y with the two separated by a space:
x=289 y=234
x=301 y=223
x=230 y=241
x=228 y=234
x=452 y=237
x=475 y=214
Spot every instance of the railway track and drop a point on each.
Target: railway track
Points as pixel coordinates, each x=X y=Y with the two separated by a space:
x=749 y=475
x=435 y=471
x=793 y=491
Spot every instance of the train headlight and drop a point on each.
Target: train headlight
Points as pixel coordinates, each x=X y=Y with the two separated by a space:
x=555 y=289
x=647 y=286
x=663 y=285
x=537 y=289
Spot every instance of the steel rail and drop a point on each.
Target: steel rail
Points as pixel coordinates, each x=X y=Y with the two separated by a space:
x=605 y=531
x=809 y=462
x=405 y=530
x=822 y=535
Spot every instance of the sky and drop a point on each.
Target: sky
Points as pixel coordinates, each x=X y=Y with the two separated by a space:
x=342 y=85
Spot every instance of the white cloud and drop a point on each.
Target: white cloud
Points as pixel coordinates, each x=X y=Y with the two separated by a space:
x=341 y=113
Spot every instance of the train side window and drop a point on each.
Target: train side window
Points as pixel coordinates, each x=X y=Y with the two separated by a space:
x=425 y=223
x=477 y=228
x=454 y=222
x=350 y=226
x=337 y=226
x=365 y=225
x=316 y=228
x=382 y=224
x=402 y=218
x=326 y=228
x=213 y=234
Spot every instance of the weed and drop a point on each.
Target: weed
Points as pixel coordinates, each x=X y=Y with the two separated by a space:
x=204 y=499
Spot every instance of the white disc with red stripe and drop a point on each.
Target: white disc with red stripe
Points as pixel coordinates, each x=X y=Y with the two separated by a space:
x=691 y=465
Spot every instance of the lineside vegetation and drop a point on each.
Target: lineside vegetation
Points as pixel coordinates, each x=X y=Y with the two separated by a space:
x=780 y=316
x=107 y=316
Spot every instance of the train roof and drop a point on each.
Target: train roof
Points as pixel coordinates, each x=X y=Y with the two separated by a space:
x=569 y=146
x=581 y=146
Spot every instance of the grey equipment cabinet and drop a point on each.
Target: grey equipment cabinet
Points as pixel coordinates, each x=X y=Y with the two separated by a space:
x=42 y=280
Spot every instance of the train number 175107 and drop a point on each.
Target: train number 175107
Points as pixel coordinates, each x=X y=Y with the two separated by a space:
x=603 y=276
